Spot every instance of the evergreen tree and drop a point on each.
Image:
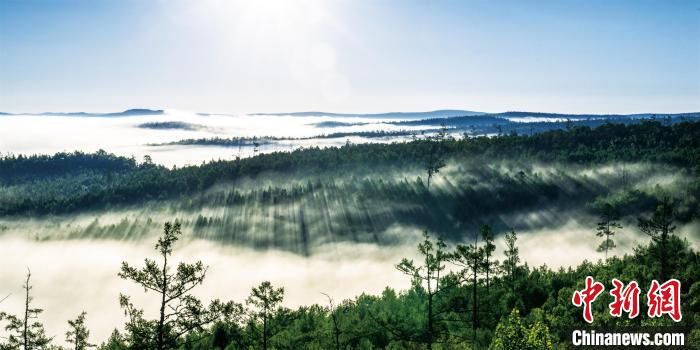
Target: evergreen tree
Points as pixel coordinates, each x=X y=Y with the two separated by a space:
x=660 y=227
x=510 y=333
x=606 y=228
x=436 y=160
x=179 y=311
x=428 y=276
x=471 y=259
x=513 y=334
x=333 y=310
x=538 y=337
x=489 y=248
x=25 y=332
x=265 y=300
x=78 y=334
x=510 y=264
x=115 y=341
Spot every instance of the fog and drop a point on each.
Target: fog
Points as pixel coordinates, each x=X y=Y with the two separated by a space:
x=21 y=134
x=298 y=212
x=70 y=276
x=357 y=226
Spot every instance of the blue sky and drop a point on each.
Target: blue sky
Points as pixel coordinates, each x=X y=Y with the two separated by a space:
x=350 y=56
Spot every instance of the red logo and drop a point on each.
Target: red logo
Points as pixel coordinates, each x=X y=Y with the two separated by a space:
x=626 y=299
x=665 y=299
x=587 y=296
x=662 y=299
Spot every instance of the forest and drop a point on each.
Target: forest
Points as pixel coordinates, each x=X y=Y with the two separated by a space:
x=70 y=182
x=461 y=298
x=465 y=194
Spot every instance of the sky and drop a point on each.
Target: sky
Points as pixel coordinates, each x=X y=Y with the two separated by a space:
x=353 y=56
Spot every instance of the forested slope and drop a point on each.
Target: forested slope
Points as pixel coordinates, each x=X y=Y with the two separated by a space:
x=478 y=303
x=69 y=182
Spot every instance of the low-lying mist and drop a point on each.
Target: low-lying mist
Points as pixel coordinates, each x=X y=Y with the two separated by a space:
x=299 y=212
x=81 y=275
x=340 y=234
x=71 y=276
x=127 y=136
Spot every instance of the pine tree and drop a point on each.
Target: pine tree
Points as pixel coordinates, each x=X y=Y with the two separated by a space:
x=538 y=337
x=435 y=160
x=78 y=333
x=265 y=300
x=510 y=264
x=510 y=333
x=606 y=228
x=179 y=312
x=489 y=248
x=660 y=227
x=115 y=341
x=513 y=334
x=333 y=310
x=471 y=259
x=25 y=331
x=428 y=275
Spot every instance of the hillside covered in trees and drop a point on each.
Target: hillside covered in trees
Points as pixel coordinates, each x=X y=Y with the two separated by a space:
x=69 y=182
x=465 y=194
x=357 y=192
x=461 y=298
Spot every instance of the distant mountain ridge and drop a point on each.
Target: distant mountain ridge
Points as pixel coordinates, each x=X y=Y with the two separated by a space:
x=520 y=114
x=442 y=113
x=455 y=113
x=135 y=111
x=539 y=117
x=412 y=116
x=126 y=113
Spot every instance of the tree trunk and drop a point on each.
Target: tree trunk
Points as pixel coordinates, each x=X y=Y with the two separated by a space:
x=664 y=263
x=265 y=332
x=161 y=321
x=475 y=316
x=488 y=268
x=474 y=307
x=25 y=332
x=429 y=344
x=337 y=334
x=430 y=322
x=607 y=239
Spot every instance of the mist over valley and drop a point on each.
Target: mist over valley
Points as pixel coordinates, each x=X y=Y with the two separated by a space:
x=280 y=198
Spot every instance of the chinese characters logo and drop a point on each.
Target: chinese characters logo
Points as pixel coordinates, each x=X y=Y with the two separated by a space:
x=662 y=299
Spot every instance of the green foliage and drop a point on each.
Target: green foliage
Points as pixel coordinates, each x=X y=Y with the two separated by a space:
x=475 y=303
x=180 y=313
x=489 y=248
x=399 y=319
x=115 y=342
x=265 y=313
x=606 y=228
x=78 y=333
x=538 y=337
x=436 y=154
x=512 y=334
x=25 y=331
x=511 y=262
x=660 y=227
x=69 y=182
x=428 y=283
